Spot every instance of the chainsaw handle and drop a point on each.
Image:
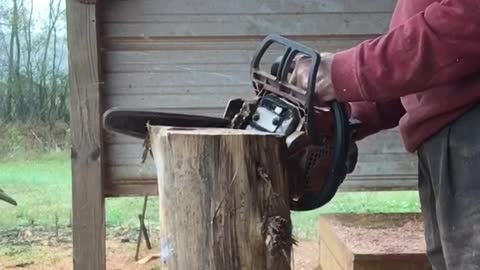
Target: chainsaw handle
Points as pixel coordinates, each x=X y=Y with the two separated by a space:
x=338 y=170
x=279 y=71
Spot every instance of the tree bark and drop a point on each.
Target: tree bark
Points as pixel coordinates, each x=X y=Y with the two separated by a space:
x=223 y=197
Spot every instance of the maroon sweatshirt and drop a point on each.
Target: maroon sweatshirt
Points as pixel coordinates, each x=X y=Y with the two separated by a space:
x=420 y=76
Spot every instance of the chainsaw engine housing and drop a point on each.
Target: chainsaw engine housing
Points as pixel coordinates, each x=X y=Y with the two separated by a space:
x=321 y=150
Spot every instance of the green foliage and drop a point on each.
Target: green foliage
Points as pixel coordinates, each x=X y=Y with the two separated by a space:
x=32 y=141
x=42 y=189
x=33 y=67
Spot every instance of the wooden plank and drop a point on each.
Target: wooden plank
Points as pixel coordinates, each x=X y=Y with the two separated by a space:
x=183 y=56
x=121 y=7
x=392 y=262
x=327 y=258
x=170 y=101
x=159 y=65
x=336 y=248
x=146 y=187
x=136 y=171
x=368 y=241
x=382 y=183
x=248 y=25
x=87 y=153
x=141 y=46
x=171 y=79
x=123 y=181
x=182 y=90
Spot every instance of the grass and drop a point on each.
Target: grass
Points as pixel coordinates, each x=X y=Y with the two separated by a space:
x=42 y=188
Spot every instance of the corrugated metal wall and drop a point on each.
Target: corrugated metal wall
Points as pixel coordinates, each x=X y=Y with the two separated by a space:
x=193 y=56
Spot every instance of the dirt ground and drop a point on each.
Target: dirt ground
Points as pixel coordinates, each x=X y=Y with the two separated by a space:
x=36 y=249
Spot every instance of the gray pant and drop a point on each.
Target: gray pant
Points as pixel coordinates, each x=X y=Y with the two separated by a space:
x=449 y=188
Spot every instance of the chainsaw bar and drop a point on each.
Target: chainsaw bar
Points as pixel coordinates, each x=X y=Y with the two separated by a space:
x=134 y=122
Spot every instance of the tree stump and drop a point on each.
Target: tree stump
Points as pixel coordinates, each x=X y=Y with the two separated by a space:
x=223 y=199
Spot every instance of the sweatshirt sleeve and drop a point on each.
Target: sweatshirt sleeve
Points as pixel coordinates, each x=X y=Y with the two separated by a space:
x=376 y=116
x=439 y=45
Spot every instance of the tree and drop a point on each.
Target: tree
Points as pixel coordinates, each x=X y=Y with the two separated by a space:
x=33 y=75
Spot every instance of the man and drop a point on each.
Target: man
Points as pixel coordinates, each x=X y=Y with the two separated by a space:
x=424 y=76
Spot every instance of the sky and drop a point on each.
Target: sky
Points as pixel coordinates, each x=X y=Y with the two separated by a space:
x=41 y=7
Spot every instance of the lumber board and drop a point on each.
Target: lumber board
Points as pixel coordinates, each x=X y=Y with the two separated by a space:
x=146 y=18
x=372 y=241
x=250 y=6
x=236 y=48
x=336 y=251
x=87 y=151
x=234 y=45
x=132 y=188
x=238 y=25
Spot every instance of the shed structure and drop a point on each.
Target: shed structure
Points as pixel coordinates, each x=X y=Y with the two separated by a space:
x=191 y=57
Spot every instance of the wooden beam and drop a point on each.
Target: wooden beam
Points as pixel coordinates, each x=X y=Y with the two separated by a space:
x=92 y=2
x=87 y=156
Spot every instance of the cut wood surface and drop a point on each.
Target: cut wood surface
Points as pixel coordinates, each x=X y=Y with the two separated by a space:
x=223 y=199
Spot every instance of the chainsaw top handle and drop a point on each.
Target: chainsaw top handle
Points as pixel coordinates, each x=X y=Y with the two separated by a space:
x=276 y=82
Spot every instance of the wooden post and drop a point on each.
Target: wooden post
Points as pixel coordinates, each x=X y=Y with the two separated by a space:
x=87 y=168
x=223 y=197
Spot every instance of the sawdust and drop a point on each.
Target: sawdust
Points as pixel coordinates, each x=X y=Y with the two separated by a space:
x=380 y=233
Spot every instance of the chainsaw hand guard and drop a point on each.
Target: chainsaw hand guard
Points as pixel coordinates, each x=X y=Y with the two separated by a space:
x=319 y=147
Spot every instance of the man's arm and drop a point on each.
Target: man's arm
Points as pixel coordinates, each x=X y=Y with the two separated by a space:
x=436 y=46
x=376 y=116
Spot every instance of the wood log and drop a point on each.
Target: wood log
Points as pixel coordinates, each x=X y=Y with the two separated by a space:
x=223 y=199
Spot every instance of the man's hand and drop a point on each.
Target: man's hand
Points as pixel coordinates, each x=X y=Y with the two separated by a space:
x=324 y=90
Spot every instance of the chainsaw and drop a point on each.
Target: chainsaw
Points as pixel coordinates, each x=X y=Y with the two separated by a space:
x=320 y=140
